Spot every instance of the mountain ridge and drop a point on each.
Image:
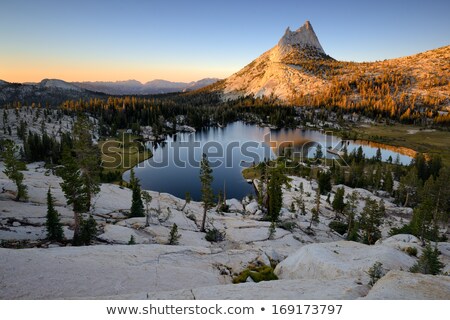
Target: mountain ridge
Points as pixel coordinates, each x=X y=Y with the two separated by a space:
x=57 y=90
x=298 y=71
x=156 y=86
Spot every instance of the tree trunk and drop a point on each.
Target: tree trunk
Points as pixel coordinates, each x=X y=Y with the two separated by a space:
x=350 y=221
x=77 y=226
x=436 y=215
x=407 y=198
x=202 y=229
x=147 y=217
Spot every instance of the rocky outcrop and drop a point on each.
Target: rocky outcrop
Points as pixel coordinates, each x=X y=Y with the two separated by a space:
x=397 y=285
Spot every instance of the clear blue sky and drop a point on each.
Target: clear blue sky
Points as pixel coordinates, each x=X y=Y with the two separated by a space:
x=189 y=40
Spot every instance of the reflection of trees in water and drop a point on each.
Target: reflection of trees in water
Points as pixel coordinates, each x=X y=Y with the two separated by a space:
x=402 y=150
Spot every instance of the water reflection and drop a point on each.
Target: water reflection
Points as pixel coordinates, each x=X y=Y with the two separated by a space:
x=174 y=167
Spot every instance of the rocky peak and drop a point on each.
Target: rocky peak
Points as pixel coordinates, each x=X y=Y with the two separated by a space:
x=303 y=37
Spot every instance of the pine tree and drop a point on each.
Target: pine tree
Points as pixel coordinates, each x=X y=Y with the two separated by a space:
x=87 y=155
x=424 y=222
x=370 y=220
x=132 y=241
x=206 y=179
x=377 y=178
x=74 y=190
x=147 y=199
x=428 y=262
x=53 y=224
x=388 y=184
x=338 y=201
x=275 y=196
x=174 y=236
x=378 y=155
x=137 y=207
x=324 y=180
x=316 y=210
x=319 y=153
x=420 y=163
x=409 y=185
x=350 y=212
x=12 y=167
x=359 y=157
x=87 y=231
x=187 y=199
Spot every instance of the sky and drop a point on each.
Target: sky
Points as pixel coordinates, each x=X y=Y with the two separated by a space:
x=190 y=40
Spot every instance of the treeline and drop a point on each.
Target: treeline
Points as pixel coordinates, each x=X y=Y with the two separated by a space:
x=42 y=147
x=197 y=110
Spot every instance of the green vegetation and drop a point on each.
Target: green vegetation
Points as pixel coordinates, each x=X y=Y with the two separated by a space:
x=339 y=227
x=13 y=166
x=174 y=236
x=137 y=207
x=411 y=251
x=147 y=199
x=74 y=189
x=53 y=223
x=214 y=235
x=251 y=173
x=88 y=231
x=370 y=220
x=206 y=179
x=275 y=195
x=87 y=157
x=375 y=272
x=79 y=171
x=324 y=180
x=257 y=274
x=132 y=240
x=121 y=154
x=430 y=142
x=287 y=225
x=428 y=262
x=338 y=201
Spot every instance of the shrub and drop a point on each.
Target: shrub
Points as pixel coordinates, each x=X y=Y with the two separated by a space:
x=88 y=229
x=224 y=207
x=428 y=262
x=132 y=240
x=405 y=229
x=287 y=225
x=375 y=272
x=339 y=227
x=257 y=274
x=174 y=236
x=214 y=235
x=411 y=251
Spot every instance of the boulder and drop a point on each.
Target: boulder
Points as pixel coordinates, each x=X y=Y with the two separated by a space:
x=397 y=285
x=252 y=207
x=234 y=205
x=341 y=259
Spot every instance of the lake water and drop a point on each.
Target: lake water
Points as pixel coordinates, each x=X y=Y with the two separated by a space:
x=174 y=167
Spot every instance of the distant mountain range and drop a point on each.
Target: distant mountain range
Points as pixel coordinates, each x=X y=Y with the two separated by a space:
x=55 y=91
x=151 y=87
x=51 y=91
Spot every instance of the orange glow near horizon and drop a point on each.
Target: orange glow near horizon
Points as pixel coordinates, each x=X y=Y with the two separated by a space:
x=12 y=70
